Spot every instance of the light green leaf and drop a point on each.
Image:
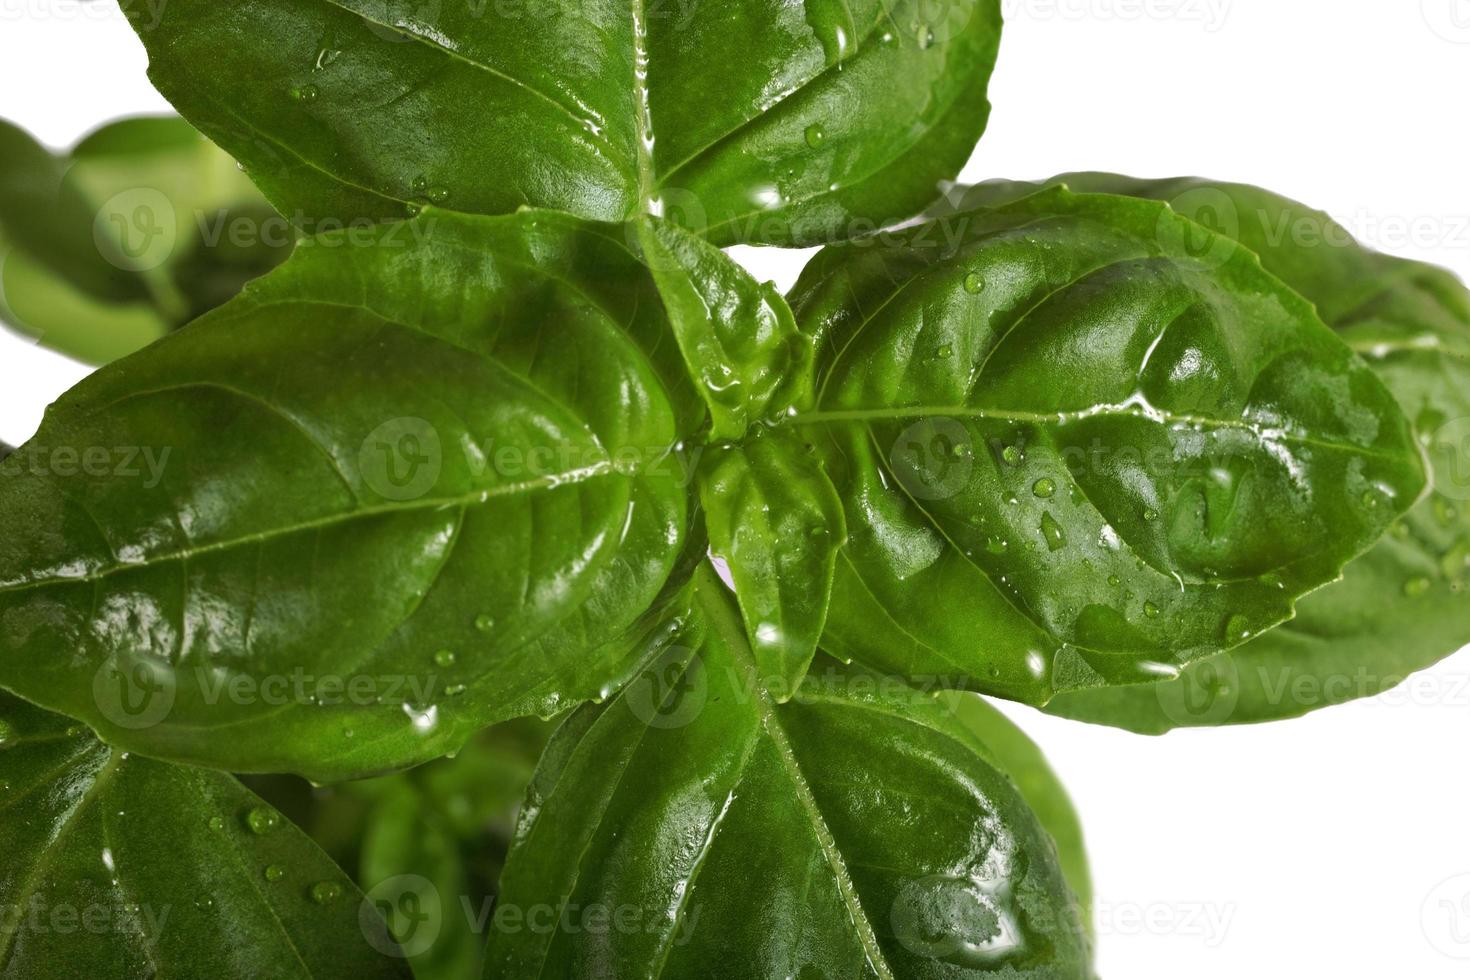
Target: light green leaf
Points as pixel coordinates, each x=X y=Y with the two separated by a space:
x=776 y=519
x=739 y=339
x=242 y=893
x=1077 y=450
x=141 y=227
x=856 y=831
x=749 y=120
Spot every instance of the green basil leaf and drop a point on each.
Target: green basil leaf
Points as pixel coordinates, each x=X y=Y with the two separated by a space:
x=142 y=226
x=1076 y=451
x=1402 y=606
x=85 y=893
x=375 y=512
x=857 y=830
x=776 y=519
x=739 y=339
x=756 y=121
x=1012 y=752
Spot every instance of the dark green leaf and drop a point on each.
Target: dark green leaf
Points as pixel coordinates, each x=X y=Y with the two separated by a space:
x=393 y=493
x=1077 y=449
x=1404 y=605
x=241 y=893
x=750 y=120
x=694 y=827
x=143 y=226
x=776 y=519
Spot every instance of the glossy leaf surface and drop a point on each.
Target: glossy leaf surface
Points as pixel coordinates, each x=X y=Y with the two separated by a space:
x=1404 y=605
x=241 y=893
x=142 y=226
x=693 y=827
x=740 y=341
x=1012 y=752
x=397 y=491
x=1076 y=452
x=756 y=120
x=776 y=519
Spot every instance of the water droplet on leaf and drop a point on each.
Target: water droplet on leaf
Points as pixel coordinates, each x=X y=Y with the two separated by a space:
x=325 y=891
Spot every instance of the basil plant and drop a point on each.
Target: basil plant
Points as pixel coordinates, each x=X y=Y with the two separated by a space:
x=506 y=584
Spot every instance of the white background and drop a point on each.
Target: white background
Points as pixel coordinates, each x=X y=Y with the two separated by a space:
x=1336 y=846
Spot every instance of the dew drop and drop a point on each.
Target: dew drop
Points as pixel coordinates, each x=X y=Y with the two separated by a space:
x=438 y=195
x=1044 y=488
x=262 y=820
x=926 y=37
x=1012 y=455
x=455 y=690
x=1149 y=514
x=1237 y=629
x=444 y=658
x=816 y=135
x=305 y=93
x=1054 y=533
x=1114 y=581
x=974 y=284
x=997 y=546
x=274 y=872
x=1416 y=587
x=204 y=903
x=216 y=823
x=325 y=891
x=1150 y=610
x=945 y=352
x=485 y=623
x=419 y=184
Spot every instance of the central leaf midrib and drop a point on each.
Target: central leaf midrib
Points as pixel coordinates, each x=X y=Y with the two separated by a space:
x=901 y=412
x=826 y=842
x=362 y=513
